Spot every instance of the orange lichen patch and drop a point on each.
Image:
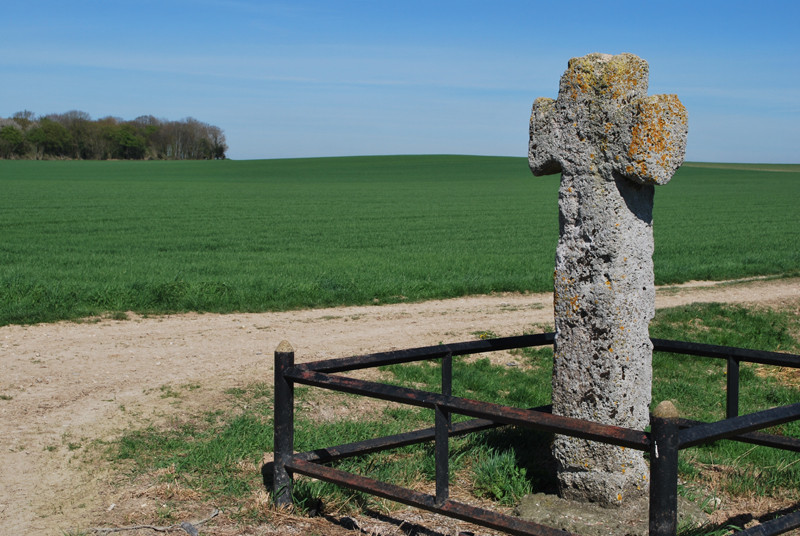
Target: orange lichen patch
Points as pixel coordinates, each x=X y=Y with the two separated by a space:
x=606 y=77
x=574 y=304
x=542 y=105
x=651 y=138
x=579 y=77
x=625 y=75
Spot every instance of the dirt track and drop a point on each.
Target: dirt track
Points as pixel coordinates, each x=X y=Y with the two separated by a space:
x=64 y=385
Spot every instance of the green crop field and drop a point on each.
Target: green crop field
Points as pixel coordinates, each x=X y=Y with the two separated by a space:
x=84 y=238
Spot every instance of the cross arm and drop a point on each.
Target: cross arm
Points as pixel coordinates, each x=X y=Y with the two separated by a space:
x=545 y=136
x=653 y=144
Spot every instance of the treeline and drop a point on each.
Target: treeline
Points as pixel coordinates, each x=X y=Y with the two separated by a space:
x=75 y=135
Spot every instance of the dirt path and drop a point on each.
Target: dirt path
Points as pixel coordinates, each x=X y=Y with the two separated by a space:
x=65 y=385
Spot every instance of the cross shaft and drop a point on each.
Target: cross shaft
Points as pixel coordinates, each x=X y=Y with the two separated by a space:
x=612 y=143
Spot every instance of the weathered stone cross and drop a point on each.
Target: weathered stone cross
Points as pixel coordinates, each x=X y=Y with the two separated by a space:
x=612 y=143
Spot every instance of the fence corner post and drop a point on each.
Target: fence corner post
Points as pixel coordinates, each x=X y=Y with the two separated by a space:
x=283 y=425
x=664 y=470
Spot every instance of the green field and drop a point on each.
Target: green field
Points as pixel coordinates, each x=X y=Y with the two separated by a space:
x=82 y=238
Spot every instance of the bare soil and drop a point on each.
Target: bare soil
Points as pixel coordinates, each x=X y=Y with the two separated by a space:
x=66 y=386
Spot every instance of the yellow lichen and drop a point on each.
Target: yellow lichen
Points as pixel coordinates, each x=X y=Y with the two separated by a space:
x=650 y=136
x=605 y=78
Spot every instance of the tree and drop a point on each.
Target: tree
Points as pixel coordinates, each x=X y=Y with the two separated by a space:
x=148 y=127
x=130 y=144
x=104 y=133
x=12 y=142
x=75 y=135
x=49 y=138
x=218 y=145
x=78 y=124
x=24 y=119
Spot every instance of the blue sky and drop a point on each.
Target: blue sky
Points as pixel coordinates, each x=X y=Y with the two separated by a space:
x=325 y=78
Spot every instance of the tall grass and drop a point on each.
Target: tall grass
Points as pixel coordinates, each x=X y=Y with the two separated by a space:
x=84 y=238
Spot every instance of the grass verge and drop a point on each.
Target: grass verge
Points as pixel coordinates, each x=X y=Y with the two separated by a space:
x=216 y=454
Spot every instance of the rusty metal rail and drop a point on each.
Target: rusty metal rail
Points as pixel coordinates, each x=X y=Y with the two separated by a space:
x=708 y=432
x=667 y=437
x=614 y=435
x=457 y=510
x=428 y=352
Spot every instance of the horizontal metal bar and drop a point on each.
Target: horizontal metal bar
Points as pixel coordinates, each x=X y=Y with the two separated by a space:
x=723 y=352
x=754 y=438
x=464 y=512
x=540 y=339
x=359 y=448
x=779 y=525
x=614 y=435
x=428 y=352
x=708 y=432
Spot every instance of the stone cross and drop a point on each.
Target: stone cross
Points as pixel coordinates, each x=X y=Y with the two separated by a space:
x=612 y=143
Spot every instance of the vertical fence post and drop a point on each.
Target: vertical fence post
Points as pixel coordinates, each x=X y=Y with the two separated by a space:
x=441 y=456
x=441 y=435
x=732 y=396
x=447 y=380
x=283 y=424
x=664 y=470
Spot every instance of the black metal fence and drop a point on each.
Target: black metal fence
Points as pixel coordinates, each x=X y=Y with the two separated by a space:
x=667 y=437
